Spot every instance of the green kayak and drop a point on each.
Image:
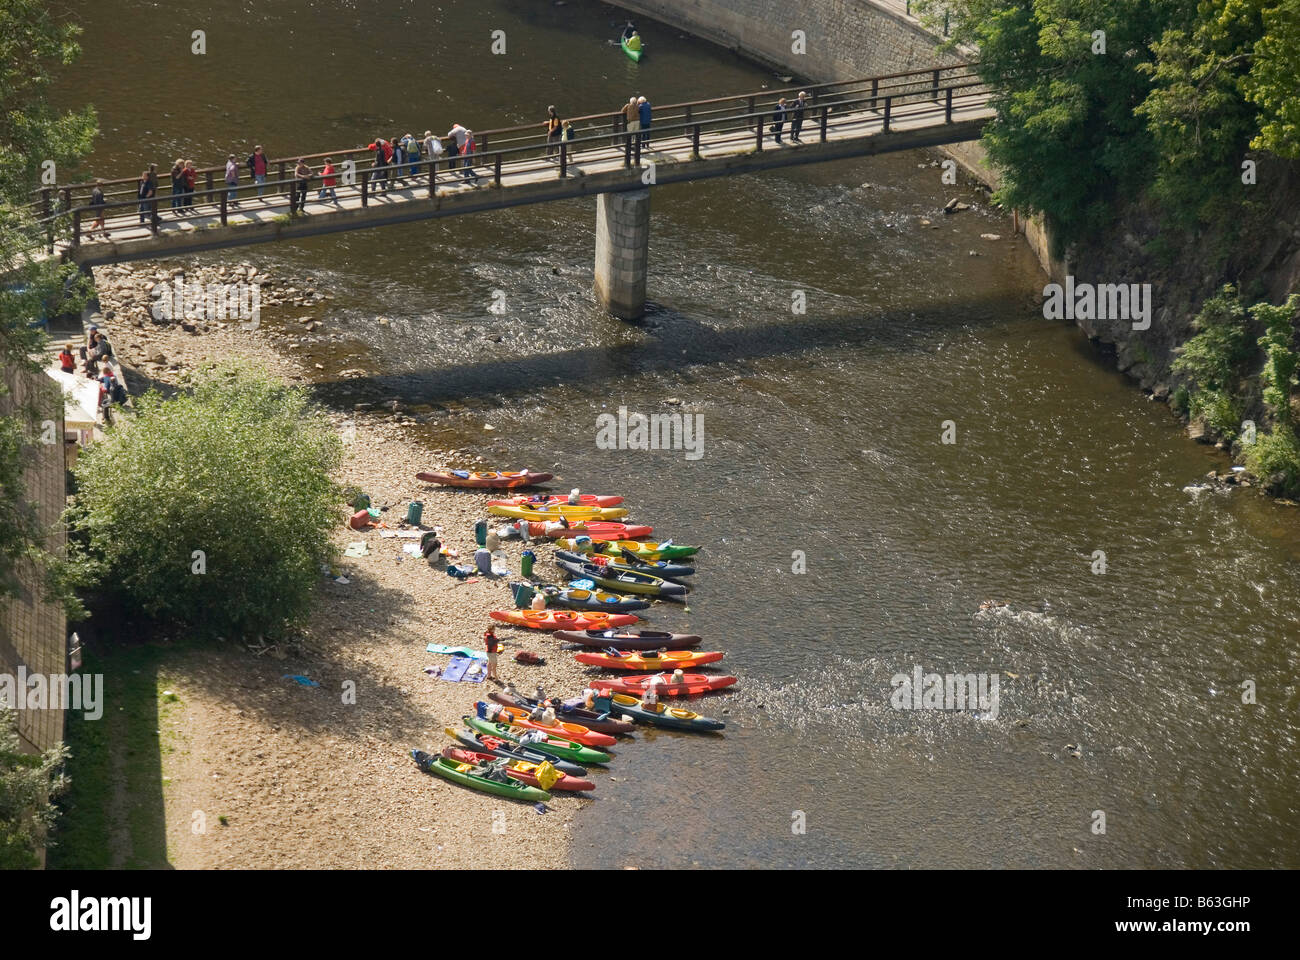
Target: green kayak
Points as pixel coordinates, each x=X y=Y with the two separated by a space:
x=465 y=775
x=564 y=749
x=634 y=54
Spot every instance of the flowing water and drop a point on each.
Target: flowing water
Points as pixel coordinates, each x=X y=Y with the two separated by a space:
x=1120 y=692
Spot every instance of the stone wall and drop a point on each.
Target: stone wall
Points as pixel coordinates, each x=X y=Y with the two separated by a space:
x=622 y=242
x=32 y=632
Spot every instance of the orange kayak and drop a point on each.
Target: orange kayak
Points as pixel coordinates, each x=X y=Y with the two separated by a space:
x=487 y=480
x=668 y=660
x=563 y=619
x=692 y=683
x=569 y=731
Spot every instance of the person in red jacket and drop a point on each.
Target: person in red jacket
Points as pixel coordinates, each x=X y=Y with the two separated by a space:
x=67 y=362
x=327 y=181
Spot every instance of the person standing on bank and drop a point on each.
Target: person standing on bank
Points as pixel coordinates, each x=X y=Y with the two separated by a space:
x=796 y=123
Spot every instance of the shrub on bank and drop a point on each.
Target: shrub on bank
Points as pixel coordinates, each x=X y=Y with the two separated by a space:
x=213 y=509
x=27 y=783
x=1215 y=360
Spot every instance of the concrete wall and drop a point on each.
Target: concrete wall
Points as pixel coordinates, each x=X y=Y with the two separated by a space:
x=33 y=633
x=622 y=245
x=845 y=38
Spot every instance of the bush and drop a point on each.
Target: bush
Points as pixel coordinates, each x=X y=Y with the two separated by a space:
x=27 y=783
x=239 y=469
x=1275 y=458
x=1215 y=360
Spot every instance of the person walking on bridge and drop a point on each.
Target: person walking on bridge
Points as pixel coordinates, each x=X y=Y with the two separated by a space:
x=327 y=181
x=796 y=123
x=257 y=166
x=147 y=189
x=301 y=178
x=232 y=181
x=554 y=131
x=778 y=119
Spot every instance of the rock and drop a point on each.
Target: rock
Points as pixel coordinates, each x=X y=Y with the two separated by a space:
x=158 y=358
x=990 y=236
x=1196 y=431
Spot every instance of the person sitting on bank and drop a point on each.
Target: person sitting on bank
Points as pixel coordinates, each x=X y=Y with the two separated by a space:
x=67 y=360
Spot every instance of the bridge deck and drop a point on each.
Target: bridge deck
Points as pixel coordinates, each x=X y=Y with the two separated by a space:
x=596 y=164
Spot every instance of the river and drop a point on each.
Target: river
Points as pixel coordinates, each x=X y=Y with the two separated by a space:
x=1120 y=692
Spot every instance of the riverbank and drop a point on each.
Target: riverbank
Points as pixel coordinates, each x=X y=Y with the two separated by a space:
x=287 y=775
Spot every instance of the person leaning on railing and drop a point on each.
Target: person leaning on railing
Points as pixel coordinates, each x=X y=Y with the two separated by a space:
x=232 y=181
x=147 y=189
x=257 y=167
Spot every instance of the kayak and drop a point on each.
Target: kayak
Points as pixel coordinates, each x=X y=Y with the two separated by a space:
x=483 y=743
x=690 y=685
x=576 y=732
x=563 y=619
x=633 y=54
x=628 y=581
x=470 y=775
x=584 y=499
x=554 y=511
x=519 y=770
x=564 y=749
x=659 y=715
x=575 y=598
x=657 y=568
x=641 y=640
x=668 y=660
x=568 y=709
x=593 y=528
x=490 y=480
x=646 y=551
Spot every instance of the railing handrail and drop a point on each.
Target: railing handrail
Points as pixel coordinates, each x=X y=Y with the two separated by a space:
x=771 y=95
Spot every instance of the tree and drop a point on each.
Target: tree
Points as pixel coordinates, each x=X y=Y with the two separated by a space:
x=214 y=509
x=27 y=782
x=1279 y=374
x=32 y=43
x=1214 y=360
x=1271 y=83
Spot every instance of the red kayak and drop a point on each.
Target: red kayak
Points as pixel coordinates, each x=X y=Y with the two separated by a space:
x=596 y=528
x=692 y=683
x=519 y=770
x=668 y=660
x=561 y=728
x=584 y=500
x=563 y=619
x=625 y=640
x=486 y=480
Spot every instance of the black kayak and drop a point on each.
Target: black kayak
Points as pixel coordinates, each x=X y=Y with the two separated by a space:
x=630 y=561
x=628 y=640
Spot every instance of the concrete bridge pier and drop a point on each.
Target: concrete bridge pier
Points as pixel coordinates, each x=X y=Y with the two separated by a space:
x=622 y=252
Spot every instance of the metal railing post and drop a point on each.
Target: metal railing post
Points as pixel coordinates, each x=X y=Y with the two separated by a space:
x=433 y=179
x=875 y=89
x=225 y=196
x=889 y=103
x=627 y=149
x=280 y=186
x=935 y=85
x=825 y=114
x=947 y=110
x=365 y=188
x=76 y=228
x=564 y=159
x=154 y=219
x=695 y=141
x=496 y=169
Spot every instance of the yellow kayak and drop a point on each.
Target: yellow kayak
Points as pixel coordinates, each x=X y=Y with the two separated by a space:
x=646 y=551
x=553 y=511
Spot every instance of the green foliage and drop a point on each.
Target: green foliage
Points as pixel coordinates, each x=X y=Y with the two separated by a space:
x=1271 y=83
x=1215 y=359
x=27 y=784
x=238 y=469
x=1275 y=458
x=1279 y=374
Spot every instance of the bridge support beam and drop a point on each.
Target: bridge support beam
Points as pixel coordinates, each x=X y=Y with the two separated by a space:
x=622 y=252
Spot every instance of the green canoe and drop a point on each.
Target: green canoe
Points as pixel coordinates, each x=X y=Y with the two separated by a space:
x=634 y=54
x=564 y=749
x=463 y=773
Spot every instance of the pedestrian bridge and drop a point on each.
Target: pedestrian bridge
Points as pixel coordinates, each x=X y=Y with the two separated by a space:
x=514 y=166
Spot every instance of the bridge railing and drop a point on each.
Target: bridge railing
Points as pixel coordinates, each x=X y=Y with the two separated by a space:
x=876 y=104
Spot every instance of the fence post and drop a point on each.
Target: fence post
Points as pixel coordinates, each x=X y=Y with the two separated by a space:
x=365 y=188
x=875 y=89
x=935 y=85
x=758 y=133
x=280 y=187
x=210 y=187
x=825 y=113
x=433 y=179
x=695 y=141
x=76 y=228
x=947 y=110
x=889 y=103
x=154 y=219
x=564 y=158
x=636 y=149
x=627 y=149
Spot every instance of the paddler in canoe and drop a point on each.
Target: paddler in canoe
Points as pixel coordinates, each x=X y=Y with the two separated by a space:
x=631 y=41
